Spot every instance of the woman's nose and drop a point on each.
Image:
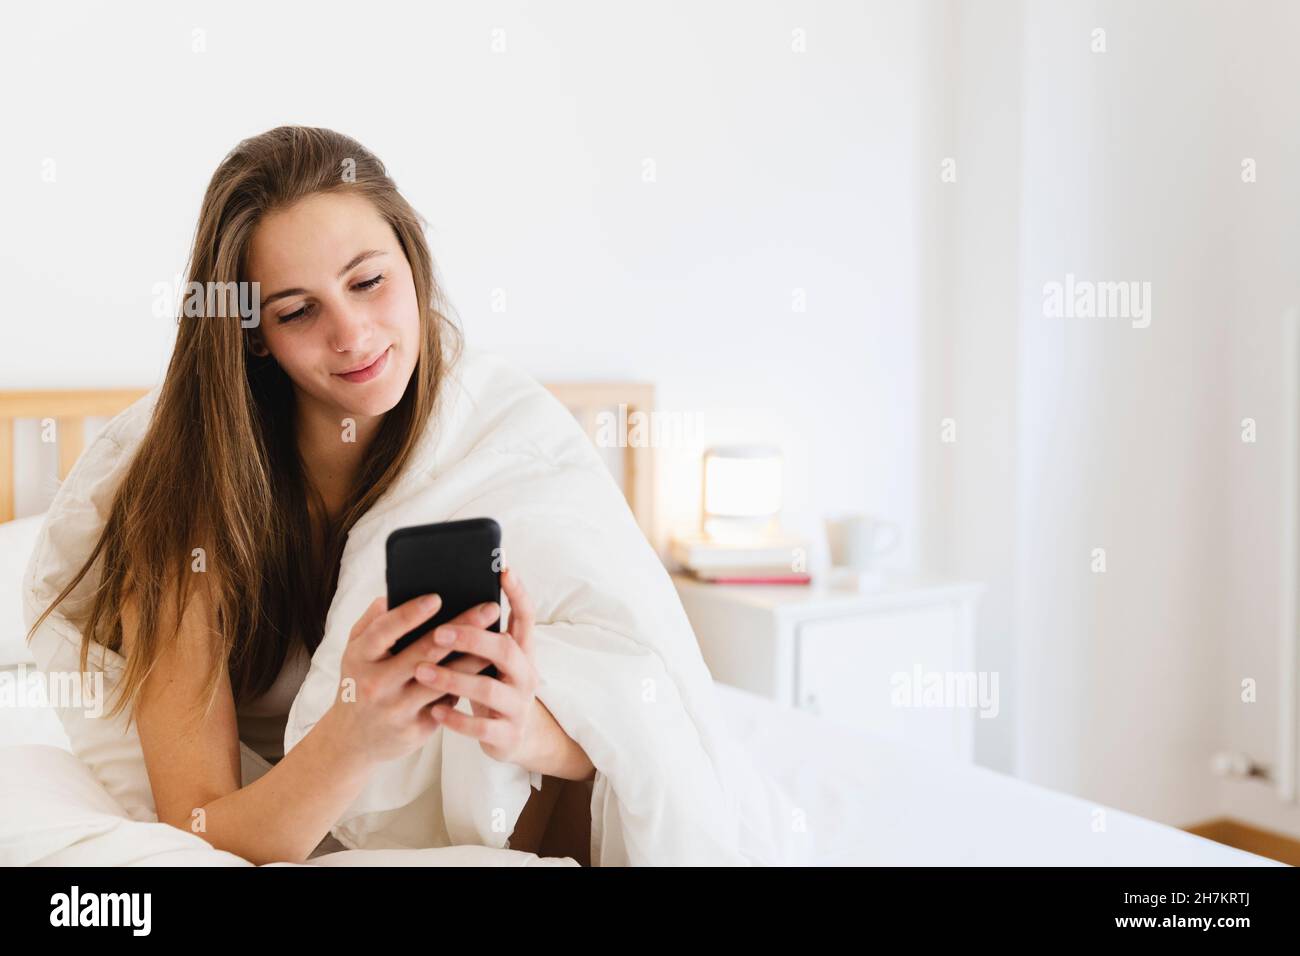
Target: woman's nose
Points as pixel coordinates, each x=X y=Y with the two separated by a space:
x=350 y=330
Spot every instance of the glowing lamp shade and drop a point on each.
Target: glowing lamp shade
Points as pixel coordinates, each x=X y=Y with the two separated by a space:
x=742 y=491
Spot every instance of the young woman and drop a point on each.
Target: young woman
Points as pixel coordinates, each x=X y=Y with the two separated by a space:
x=266 y=445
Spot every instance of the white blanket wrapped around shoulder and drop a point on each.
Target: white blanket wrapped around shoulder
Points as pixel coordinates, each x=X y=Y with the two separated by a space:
x=619 y=665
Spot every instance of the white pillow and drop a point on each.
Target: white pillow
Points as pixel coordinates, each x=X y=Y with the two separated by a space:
x=17 y=539
x=76 y=516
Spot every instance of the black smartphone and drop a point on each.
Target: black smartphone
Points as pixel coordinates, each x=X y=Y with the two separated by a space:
x=459 y=560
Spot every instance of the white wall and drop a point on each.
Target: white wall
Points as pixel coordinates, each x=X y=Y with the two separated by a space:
x=776 y=171
x=971 y=354
x=1087 y=433
x=1123 y=176
x=1262 y=232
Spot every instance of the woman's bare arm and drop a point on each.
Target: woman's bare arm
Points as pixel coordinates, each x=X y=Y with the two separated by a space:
x=192 y=756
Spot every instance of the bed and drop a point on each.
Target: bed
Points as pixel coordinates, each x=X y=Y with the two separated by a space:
x=861 y=800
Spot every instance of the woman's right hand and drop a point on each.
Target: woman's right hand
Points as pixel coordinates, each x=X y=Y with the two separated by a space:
x=382 y=709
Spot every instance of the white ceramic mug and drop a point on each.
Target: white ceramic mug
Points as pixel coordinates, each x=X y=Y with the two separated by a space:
x=857 y=540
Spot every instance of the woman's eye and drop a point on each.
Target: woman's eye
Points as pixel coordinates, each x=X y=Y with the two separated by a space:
x=361 y=286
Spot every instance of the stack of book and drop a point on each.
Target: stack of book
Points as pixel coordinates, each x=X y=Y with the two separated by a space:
x=779 y=561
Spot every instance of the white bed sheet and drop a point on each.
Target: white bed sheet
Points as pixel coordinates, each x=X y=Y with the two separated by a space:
x=68 y=819
x=862 y=801
x=867 y=801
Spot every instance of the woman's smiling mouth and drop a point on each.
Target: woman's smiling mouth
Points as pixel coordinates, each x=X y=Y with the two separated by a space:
x=366 y=372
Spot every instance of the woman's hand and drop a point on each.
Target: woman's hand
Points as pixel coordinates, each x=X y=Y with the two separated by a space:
x=508 y=721
x=382 y=711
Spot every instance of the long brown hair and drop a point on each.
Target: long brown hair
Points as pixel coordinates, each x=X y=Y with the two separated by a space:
x=219 y=467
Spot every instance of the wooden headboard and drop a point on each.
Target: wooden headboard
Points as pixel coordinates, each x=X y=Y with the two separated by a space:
x=69 y=409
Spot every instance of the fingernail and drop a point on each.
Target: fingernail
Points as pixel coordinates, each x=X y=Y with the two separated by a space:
x=430 y=601
x=424 y=672
x=489 y=608
x=445 y=636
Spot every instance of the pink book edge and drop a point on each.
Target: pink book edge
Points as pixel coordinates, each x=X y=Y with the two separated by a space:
x=787 y=579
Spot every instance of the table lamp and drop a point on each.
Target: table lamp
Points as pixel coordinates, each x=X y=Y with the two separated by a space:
x=742 y=493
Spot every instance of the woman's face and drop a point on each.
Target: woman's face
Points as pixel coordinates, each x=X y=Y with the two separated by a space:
x=338 y=306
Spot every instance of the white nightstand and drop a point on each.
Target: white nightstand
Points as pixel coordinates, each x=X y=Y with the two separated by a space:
x=842 y=654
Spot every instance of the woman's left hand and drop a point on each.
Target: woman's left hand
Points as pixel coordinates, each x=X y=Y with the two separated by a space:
x=507 y=718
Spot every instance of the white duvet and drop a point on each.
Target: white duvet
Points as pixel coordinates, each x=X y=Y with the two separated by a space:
x=618 y=662
x=53 y=812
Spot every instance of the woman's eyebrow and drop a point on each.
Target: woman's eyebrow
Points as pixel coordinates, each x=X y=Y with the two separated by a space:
x=356 y=260
x=359 y=258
